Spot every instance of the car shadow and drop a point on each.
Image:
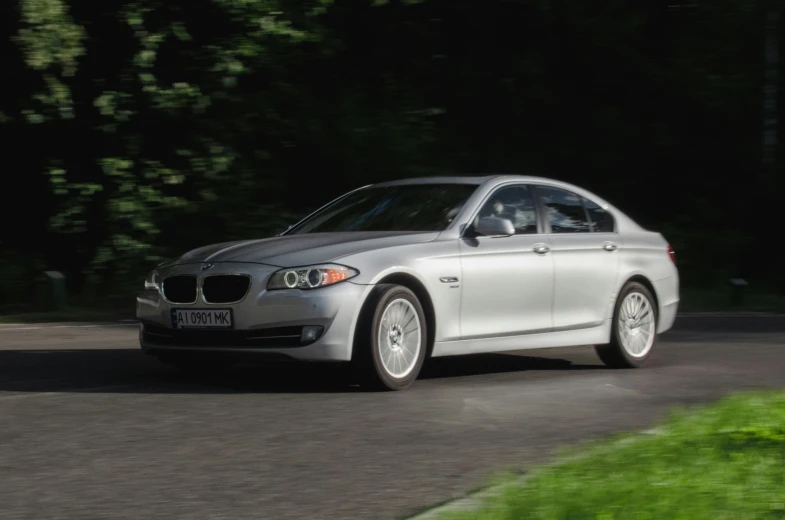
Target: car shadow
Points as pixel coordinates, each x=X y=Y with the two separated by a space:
x=497 y=363
x=130 y=371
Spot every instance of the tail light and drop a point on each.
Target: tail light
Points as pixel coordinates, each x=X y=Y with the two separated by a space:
x=672 y=254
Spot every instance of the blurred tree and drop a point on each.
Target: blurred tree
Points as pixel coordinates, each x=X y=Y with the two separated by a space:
x=142 y=128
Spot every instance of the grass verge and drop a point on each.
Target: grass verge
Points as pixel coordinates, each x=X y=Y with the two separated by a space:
x=724 y=461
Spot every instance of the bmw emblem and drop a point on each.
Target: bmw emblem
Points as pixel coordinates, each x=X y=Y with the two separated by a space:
x=207 y=266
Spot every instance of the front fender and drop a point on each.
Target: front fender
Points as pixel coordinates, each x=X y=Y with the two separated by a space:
x=428 y=264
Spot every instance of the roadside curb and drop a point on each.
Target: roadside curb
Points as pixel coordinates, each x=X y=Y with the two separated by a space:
x=474 y=501
x=66 y=324
x=471 y=502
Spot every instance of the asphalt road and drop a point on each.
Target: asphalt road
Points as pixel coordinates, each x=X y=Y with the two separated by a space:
x=90 y=428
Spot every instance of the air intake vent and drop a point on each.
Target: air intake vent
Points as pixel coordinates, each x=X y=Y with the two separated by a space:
x=279 y=337
x=225 y=288
x=180 y=289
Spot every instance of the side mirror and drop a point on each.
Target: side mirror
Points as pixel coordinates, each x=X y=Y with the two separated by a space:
x=495 y=227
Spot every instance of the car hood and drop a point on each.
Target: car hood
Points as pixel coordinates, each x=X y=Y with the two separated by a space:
x=297 y=250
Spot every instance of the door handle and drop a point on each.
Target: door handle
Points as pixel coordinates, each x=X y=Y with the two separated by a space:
x=609 y=246
x=541 y=249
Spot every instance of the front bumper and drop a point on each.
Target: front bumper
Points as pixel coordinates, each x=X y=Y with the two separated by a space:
x=264 y=322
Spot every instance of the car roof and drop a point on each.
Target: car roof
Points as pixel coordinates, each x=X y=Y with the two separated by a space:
x=492 y=181
x=463 y=179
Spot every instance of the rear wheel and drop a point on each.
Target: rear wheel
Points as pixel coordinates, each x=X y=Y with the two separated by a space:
x=634 y=329
x=391 y=340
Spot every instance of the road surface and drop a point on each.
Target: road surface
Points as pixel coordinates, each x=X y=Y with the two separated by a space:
x=90 y=428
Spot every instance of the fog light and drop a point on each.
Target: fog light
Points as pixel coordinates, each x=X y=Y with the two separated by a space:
x=311 y=333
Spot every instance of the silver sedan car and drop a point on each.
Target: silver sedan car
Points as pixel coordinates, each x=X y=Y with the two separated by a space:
x=391 y=274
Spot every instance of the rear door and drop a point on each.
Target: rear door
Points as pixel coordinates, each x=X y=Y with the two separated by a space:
x=585 y=253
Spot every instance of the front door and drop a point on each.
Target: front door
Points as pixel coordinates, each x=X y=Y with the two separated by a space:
x=507 y=281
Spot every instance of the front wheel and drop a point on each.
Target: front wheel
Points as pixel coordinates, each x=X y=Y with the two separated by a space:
x=391 y=341
x=634 y=329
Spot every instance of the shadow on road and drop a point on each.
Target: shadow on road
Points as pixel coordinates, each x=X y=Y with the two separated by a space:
x=483 y=364
x=129 y=371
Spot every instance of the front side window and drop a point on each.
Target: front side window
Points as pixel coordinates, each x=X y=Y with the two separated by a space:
x=564 y=210
x=516 y=204
x=407 y=207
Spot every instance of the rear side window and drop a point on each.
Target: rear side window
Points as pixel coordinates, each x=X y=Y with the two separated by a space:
x=564 y=210
x=601 y=220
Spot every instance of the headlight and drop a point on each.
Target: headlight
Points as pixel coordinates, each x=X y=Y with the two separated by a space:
x=311 y=277
x=151 y=282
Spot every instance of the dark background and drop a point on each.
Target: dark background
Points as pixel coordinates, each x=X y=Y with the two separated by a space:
x=133 y=131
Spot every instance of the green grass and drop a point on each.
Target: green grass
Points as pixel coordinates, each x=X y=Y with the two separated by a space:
x=696 y=300
x=725 y=461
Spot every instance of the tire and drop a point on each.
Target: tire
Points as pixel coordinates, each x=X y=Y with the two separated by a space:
x=391 y=340
x=632 y=340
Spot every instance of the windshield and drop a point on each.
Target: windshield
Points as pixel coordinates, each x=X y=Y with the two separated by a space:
x=410 y=207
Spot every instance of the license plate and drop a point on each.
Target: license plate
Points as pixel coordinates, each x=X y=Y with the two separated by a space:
x=201 y=318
